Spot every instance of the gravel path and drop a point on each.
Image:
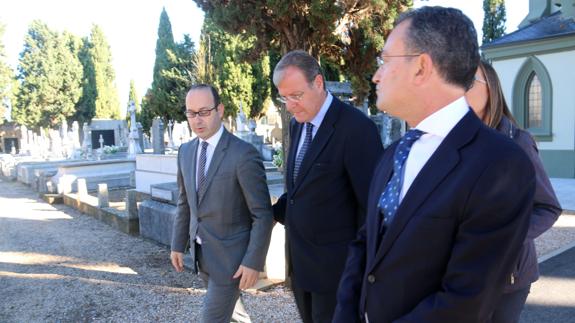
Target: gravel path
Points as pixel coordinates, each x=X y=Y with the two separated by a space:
x=58 y=265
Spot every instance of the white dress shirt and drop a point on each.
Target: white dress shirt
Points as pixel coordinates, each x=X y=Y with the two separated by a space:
x=316 y=121
x=212 y=143
x=436 y=127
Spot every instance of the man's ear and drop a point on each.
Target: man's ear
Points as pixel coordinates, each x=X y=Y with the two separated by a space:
x=318 y=81
x=221 y=110
x=422 y=69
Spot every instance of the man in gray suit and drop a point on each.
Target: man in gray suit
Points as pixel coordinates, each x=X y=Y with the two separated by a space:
x=224 y=209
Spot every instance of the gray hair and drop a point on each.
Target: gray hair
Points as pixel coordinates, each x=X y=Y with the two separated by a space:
x=301 y=60
x=448 y=36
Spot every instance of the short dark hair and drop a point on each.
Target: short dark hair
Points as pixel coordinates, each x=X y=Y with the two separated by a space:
x=212 y=89
x=449 y=37
x=301 y=60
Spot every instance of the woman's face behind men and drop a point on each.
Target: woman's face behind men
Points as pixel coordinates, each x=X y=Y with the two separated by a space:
x=478 y=95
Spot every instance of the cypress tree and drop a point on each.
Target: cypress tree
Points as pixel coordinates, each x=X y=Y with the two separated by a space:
x=159 y=100
x=493 y=20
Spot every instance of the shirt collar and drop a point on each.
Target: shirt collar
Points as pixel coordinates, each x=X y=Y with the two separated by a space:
x=317 y=120
x=215 y=138
x=443 y=120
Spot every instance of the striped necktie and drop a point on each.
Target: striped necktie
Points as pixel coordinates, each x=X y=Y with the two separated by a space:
x=303 y=149
x=202 y=170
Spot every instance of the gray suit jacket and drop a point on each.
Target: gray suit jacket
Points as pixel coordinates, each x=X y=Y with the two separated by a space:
x=233 y=217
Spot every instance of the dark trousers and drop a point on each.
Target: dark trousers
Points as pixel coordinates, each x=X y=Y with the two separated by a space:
x=314 y=307
x=510 y=306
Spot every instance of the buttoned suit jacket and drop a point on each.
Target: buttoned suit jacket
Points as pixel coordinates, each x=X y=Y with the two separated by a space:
x=454 y=239
x=233 y=218
x=325 y=207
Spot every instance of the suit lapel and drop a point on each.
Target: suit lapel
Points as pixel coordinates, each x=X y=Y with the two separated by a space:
x=378 y=185
x=321 y=138
x=217 y=158
x=296 y=129
x=440 y=165
x=192 y=156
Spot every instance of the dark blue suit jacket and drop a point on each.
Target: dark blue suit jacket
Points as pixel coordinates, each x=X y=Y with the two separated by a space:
x=455 y=235
x=324 y=209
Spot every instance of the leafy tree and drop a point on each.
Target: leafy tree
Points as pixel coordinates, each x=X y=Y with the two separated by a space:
x=6 y=79
x=133 y=96
x=493 y=20
x=180 y=74
x=349 y=33
x=239 y=82
x=352 y=30
x=50 y=76
x=106 y=103
x=146 y=116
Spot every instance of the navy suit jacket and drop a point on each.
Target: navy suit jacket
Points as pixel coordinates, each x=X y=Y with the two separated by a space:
x=326 y=206
x=454 y=239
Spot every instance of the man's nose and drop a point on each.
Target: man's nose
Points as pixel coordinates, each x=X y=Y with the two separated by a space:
x=375 y=78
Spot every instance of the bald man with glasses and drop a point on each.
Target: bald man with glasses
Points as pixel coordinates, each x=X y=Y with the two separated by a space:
x=223 y=211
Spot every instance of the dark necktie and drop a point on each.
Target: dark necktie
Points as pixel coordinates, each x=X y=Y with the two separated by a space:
x=303 y=149
x=389 y=201
x=202 y=170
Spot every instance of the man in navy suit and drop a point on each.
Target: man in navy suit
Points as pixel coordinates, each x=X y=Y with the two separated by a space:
x=333 y=152
x=449 y=204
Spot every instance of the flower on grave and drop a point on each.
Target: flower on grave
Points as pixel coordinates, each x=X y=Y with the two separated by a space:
x=278 y=158
x=110 y=149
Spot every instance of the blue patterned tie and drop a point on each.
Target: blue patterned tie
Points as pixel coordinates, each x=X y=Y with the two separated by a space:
x=389 y=200
x=303 y=149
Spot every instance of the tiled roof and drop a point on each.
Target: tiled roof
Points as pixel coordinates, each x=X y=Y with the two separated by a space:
x=554 y=25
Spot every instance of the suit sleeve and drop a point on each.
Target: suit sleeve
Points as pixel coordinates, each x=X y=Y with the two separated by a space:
x=280 y=209
x=546 y=208
x=363 y=150
x=491 y=231
x=181 y=227
x=349 y=290
x=251 y=176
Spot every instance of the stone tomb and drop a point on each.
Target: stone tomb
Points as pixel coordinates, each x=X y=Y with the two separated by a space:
x=114 y=132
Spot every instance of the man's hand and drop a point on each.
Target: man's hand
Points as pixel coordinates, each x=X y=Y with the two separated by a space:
x=177 y=260
x=248 y=276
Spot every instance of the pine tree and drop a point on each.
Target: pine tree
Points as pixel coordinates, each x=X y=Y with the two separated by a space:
x=50 y=76
x=493 y=20
x=239 y=82
x=348 y=33
x=181 y=75
x=6 y=80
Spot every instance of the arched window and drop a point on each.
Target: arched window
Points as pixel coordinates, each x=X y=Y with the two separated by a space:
x=534 y=102
x=532 y=99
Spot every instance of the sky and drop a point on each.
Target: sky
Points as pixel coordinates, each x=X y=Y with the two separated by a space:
x=131 y=28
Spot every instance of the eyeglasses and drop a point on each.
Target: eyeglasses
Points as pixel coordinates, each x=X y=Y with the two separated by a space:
x=475 y=78
x=292 y=98
x=201 y=113
x=381 y=58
